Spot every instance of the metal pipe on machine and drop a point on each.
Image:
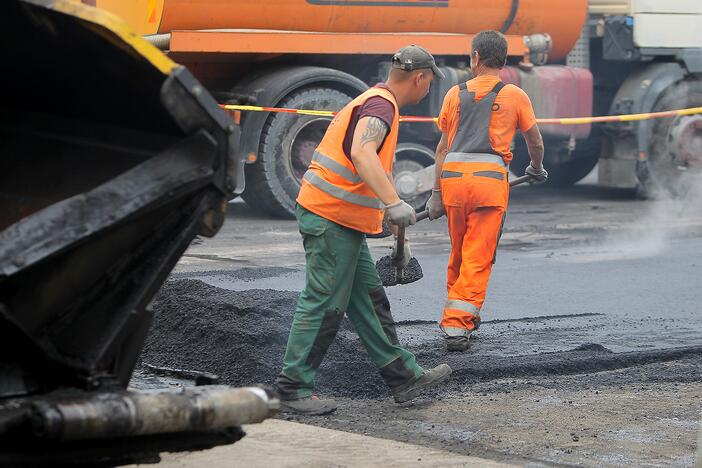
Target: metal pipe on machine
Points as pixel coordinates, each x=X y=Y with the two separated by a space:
x=132 y=414
x=609 y=7
x=160 y=41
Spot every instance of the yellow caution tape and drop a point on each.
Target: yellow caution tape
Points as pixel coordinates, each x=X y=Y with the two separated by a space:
x=561 y=121
x=622 y=118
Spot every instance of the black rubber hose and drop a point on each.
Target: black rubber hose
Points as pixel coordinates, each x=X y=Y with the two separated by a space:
x=510 y=19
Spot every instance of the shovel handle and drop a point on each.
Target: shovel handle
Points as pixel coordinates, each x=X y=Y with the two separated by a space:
x=400 y=242
x=399 y=252
x=422 y=215
x=519 y=180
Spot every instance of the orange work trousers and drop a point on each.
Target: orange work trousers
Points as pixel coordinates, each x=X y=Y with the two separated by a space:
x=475 y=199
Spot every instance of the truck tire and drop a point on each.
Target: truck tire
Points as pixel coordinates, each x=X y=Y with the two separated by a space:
x=412 y=157
x=674 y=159
x=568 y=173
x=582 y=161
x=286 y=147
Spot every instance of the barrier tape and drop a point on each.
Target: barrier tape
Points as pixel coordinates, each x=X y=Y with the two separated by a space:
x=622 y=118
x=416 y=118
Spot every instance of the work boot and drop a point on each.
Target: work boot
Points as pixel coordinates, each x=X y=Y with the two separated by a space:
x=458 y=343
x=412 y=389
x=311 y=406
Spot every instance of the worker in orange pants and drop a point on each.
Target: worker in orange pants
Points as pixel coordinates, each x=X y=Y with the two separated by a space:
x=475 y=214
x=478 y=121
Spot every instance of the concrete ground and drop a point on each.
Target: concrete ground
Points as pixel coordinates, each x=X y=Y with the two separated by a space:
x=276 y=443
x=589 y=353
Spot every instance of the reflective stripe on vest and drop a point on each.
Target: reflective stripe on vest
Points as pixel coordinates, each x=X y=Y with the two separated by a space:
x=341 y=194
x=336 y=168
x=475 y=157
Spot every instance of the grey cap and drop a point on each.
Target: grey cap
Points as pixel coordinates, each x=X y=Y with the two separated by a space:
x=414 y=57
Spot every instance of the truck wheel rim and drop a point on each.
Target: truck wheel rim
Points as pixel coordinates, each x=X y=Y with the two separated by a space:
x=407 y=162
x=304 y=142
x=685 y=141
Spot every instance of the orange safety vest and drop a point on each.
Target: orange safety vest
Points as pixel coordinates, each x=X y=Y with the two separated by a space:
x=331 y=187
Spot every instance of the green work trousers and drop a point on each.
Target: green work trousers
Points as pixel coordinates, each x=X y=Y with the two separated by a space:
x=340 y=278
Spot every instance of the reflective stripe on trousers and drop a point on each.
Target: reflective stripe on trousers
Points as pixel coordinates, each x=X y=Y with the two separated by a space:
x=490 y=174
x=465 y=306
x=450 y=331
x=460 y=314
x=474 y=157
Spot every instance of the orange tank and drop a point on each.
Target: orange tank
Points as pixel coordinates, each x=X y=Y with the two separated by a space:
x=563 y=20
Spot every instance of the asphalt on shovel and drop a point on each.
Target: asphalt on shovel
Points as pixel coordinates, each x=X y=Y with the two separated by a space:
x=391 y=274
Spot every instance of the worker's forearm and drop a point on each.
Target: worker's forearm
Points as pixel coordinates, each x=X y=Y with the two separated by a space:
x=535 y=145
x=441 y=151
x=536 y=153
x=368 y=166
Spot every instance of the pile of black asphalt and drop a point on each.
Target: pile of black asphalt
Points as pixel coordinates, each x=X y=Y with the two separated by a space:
x=241 y=337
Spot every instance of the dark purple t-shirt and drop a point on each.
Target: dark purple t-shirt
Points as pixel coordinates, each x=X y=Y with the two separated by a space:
x=375 y=106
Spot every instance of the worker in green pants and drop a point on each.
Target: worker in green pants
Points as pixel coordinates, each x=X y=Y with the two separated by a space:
x=344 y=195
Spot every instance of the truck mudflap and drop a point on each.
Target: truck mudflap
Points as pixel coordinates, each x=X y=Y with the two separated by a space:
x=113 y=159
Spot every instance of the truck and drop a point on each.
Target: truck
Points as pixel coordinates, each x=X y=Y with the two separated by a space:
x=574 y=58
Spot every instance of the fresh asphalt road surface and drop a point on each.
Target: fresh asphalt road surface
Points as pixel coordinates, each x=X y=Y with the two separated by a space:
x=582 y=266
x=617 y=271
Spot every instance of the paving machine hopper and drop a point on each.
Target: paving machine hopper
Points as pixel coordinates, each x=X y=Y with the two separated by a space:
x=112 y=159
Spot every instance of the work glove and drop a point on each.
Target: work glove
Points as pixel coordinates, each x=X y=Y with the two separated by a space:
x=435 y=206
x=538 y=176
x=402 y=261
x=401 y=214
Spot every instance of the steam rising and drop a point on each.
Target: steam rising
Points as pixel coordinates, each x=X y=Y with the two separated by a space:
x=668 y=217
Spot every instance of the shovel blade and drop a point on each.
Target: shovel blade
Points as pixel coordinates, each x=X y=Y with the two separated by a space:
x=388 y=272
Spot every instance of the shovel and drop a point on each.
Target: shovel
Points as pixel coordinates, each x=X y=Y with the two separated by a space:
x=391 y=274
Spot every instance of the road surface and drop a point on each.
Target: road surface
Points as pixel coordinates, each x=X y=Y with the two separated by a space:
x=591 y=342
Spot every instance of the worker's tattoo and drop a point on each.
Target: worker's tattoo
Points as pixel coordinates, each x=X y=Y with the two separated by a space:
x=375 y=132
